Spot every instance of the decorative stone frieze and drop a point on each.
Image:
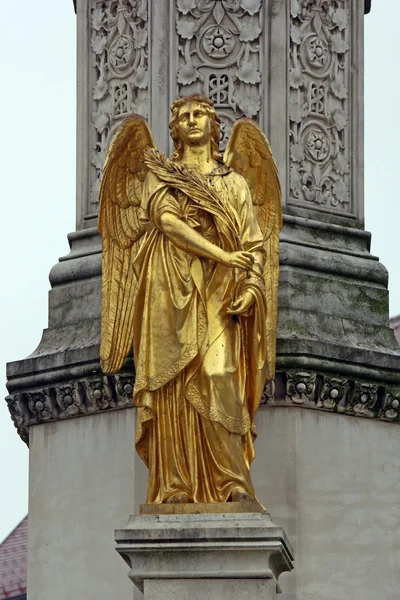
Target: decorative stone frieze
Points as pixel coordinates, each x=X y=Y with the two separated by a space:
x=119 y=46
x=70 y=399
x=335 y=394
x=219 y=54
x=391 y=405
x=320 y=82
x=100 y=393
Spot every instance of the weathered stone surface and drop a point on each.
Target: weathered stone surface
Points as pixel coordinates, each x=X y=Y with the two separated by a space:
x=185 y=547
x=329 y=480
x=220 y=589
x=84 y=477
x=332 y=483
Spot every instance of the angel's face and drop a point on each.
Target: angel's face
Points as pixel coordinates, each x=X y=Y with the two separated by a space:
x=194 y=124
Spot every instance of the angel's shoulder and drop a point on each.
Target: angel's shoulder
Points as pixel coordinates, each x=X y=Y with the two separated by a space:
x=237 y=181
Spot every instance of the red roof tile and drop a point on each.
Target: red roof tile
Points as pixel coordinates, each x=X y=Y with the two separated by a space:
x=13 y=562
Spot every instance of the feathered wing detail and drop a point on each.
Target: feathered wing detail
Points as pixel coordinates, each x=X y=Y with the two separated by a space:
x=249 y=153
x=124 y=173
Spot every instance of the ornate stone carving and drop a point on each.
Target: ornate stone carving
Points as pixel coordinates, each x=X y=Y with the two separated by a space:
x=332 y=393
x=268 y=396
x=391 y=405
x=73 y=399
x=363 y=400
x=98 y=394
x=119 y=41
x=300 y=387
x=42 y=406
x=219 y=55
x=124 y=390
x=70 y=400
x=319 y=106
x=20 y=415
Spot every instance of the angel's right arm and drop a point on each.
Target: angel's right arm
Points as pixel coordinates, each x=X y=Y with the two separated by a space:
x=188 y=239
x=165 y=213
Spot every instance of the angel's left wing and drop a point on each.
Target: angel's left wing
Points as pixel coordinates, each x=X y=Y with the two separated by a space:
x=249 y=153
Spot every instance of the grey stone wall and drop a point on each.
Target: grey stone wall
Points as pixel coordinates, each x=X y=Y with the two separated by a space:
x=331 y=481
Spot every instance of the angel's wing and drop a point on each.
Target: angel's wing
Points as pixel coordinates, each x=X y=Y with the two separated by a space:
x=120 y=195
x=249 y=153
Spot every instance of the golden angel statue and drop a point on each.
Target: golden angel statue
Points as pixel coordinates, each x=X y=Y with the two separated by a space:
x=190 y=282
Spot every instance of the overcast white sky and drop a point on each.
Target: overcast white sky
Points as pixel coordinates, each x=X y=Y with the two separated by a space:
x=37 y=164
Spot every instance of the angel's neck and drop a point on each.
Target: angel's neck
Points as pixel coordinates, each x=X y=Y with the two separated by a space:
x=198 y=157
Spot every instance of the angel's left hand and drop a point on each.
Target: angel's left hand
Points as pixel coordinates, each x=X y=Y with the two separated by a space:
x=242 y=305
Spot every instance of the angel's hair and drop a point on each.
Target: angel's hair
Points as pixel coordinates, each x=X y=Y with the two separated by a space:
x=208 y=106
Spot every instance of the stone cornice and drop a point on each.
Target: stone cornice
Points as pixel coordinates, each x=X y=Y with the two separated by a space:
x=98 y=393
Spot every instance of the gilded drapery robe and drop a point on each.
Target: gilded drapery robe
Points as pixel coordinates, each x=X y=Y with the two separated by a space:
x=200 y=371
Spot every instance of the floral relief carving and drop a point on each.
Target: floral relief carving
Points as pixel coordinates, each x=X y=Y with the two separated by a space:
x=333 y=393
x=97 y=393
x=391 y=405
x=300 y=387
x=42 y=406
x=124 y=390
x=219 y=55
x=318 y=109
x=70 y=400
x=119 y=42
x=364 y=399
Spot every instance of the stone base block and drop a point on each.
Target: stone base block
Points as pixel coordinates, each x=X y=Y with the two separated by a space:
x=205 y=555
x=210 y=589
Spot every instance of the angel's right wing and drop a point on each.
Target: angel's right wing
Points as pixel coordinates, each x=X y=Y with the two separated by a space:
x=124 y=173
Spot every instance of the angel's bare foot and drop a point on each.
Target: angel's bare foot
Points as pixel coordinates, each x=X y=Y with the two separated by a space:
x=179 y=498
x=240 y=495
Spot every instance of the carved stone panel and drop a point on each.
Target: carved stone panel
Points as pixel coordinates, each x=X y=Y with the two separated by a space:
x=119 y=51
x=219 y=49
x=319 y=105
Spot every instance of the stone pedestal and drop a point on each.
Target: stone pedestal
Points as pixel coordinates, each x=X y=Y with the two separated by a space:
x=197 y=556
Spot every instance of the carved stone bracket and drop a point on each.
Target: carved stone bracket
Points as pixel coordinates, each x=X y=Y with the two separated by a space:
x=101 y=393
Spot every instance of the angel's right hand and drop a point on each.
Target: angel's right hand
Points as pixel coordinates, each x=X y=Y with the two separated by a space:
x=238 y=260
